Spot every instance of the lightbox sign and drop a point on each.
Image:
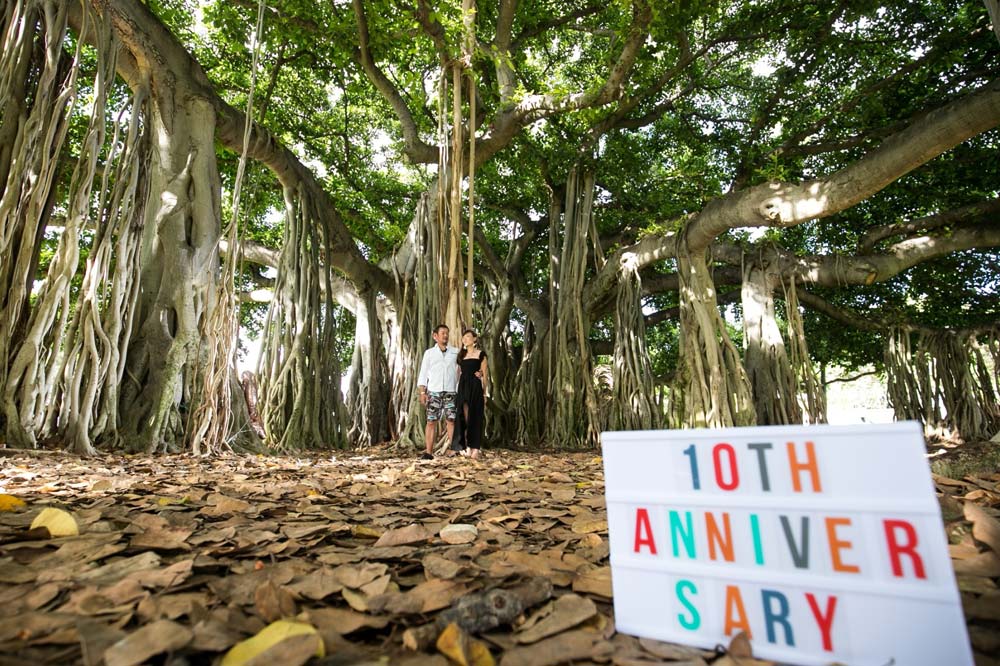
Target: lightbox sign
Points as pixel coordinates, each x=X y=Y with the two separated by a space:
x=823 y=543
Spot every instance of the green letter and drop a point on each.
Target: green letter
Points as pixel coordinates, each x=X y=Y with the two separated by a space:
x=685 y=532
x=695 y=621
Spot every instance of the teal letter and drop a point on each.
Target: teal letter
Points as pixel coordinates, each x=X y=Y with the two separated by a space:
x=685 y=533
x=781 y=617
x=758 y=548
x=695 y=621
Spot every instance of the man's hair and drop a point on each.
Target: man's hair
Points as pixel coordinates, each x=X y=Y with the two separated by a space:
x=437 y=329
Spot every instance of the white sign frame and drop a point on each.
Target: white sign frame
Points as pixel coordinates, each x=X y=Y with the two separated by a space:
x=822 y=512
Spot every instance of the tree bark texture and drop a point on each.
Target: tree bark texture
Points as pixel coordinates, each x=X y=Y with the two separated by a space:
x=573 y=419
x=765 y=358
x=712 y=388
x=634 y=403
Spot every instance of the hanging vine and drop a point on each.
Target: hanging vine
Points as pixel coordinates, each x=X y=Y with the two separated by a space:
x=633 y=402
x=46 y=80
x=300 y=397
x=574 y=419
x=211 y=429
x=96 y=343
x=409 y=333
x=712 y=388
x=940 y=383
x=808 y=387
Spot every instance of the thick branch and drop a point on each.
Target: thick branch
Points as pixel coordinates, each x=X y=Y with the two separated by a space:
x=787 y=204
x=501 y=46
x=964 y=214
x=993 y=7
x=509 y=122
x=416 y=149
x=543 y=26
x=838 y=270
x=343 y=291
x=172 y=69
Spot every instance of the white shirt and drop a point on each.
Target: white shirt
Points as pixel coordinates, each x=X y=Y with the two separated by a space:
x=439 y=370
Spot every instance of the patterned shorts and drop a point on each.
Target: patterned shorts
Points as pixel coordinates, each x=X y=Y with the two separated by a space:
x=438 y=403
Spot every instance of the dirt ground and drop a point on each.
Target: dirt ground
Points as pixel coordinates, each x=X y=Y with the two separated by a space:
x=179 y=559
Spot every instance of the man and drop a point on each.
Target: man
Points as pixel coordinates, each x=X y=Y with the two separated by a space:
x=437 y=382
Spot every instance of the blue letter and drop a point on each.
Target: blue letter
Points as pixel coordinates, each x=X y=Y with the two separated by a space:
x=780 y=617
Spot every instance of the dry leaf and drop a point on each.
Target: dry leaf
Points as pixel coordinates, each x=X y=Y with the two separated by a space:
x=273 y=602
x=149 y=641
x=317 y=585
x=344 y=621
x=273 y=634
x=436 y=566
x=459 y=647
x=728 y=660
x=985 y=528
x=59 y=523
x=11 y=503
x=293 y=651
x=95 y=638
x=589 y=526
x=982 y=564
x=567 y=647
x=567 y=612
x=356 y=600
x=595 y=581
x=403 y=536
x=459 y=534
x=672 y=651
x=356 y=576
x=739 y=646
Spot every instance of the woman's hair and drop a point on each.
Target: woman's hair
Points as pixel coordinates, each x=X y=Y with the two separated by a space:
x=475 y=340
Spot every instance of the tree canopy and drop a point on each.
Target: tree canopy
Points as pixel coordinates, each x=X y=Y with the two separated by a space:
x=840 y=157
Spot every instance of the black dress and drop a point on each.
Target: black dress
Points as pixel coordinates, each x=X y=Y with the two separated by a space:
x=470 y=404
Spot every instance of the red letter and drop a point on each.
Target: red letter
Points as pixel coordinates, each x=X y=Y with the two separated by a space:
x=836 y=545
x=723 y=538
x=824 y=623
x=909 y=548
x=734 y=474
x=642 y=524
x=734 y=601
x=809 y=465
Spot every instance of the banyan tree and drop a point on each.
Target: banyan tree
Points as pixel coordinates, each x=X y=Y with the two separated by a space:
x=655 y=215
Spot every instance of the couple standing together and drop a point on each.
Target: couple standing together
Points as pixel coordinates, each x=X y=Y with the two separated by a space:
x=452 y=386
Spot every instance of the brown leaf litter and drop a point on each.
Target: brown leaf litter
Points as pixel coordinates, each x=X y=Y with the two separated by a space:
x=504 y=561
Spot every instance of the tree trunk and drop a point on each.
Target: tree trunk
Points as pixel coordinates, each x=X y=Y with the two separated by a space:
x=771 y=378
x=369 y=392
x=179 y=261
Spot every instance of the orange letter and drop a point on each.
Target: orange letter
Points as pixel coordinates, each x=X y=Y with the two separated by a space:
x=836 y=545
x=642 y=525
x=825 y=624
x=716 y=537
x=808 y=466
x=734 y=600
x=896 y=549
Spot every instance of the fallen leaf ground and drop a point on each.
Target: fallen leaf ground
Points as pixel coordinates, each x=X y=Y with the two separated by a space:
x=179 y=559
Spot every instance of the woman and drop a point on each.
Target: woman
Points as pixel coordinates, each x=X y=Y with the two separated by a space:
x=470 y=401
